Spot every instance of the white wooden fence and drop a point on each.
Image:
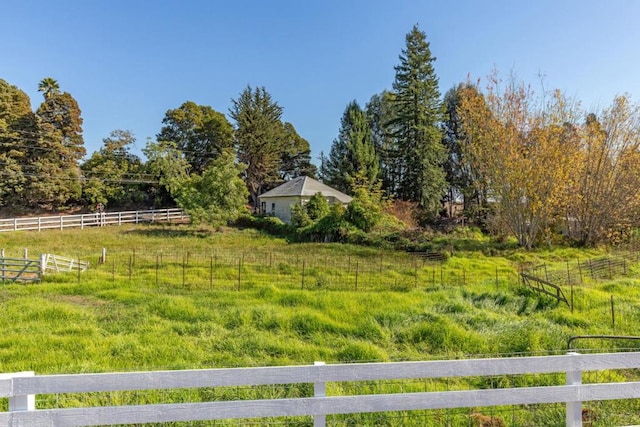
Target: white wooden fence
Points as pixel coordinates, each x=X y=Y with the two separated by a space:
x=50 y=263
x=91 y=220
x=21 y=389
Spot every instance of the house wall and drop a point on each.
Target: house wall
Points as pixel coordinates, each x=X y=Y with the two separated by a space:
x=279 y=206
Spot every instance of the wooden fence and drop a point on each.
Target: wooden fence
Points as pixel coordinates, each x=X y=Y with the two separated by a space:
x=56 y=264
x=91 y=220
x=21 y=388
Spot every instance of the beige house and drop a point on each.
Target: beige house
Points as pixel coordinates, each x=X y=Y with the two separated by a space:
x=278 y=202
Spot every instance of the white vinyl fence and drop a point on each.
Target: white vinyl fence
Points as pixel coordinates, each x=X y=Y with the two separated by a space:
x=92 y=220
x=21 y=389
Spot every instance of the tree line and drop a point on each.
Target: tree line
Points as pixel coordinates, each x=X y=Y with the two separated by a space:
x=518 y=163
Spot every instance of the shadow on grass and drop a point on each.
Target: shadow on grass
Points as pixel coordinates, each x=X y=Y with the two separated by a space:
x=172 y=232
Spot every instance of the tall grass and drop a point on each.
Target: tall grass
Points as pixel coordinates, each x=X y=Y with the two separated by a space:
x=170 y=297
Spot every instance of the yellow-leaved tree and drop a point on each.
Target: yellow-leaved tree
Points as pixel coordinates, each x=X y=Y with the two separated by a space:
x=523 y=149
x=606 y=192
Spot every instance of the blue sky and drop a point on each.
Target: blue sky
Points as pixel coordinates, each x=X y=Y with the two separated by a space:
x=128 y=61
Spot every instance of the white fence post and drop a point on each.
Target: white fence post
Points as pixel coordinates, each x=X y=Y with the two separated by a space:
x=43 y=264
x=39 y=224
x=103 y=258
x=25 y=402
x=25 y=253
x=574 y=409
x=319 y=390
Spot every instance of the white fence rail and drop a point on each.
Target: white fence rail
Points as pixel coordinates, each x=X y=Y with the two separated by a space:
x=55 y=264
x=91 y=220
x=21 y=389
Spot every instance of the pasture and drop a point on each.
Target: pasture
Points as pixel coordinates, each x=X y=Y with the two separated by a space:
x=174 y=297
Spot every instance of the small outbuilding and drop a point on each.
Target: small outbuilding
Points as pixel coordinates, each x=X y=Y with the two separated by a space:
x=278 y=202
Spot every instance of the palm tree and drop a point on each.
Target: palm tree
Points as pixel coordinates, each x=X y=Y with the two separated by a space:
x=48 y=86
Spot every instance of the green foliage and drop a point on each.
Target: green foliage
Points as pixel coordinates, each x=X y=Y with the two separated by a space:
x=317 y=207
x=299 y=216
x=365 y=210
x=199 y=131
x=258 y=138
x=108 y=172
x=16 y=120
x=271 y=224
x=55 y=153
x=352 y=153
x=416 y=125
x=380 y=113
x=216 y=197
x=295 y=159
x=166 y=164
x=332 y=227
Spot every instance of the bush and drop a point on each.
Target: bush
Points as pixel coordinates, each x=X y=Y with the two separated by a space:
x=270 y=224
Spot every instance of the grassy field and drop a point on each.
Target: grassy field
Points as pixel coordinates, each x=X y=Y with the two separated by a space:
x=173 y=297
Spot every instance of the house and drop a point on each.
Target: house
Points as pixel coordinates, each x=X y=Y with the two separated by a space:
x=278 y=202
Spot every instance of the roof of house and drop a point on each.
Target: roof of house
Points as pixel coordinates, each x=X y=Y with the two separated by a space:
x=305 y=186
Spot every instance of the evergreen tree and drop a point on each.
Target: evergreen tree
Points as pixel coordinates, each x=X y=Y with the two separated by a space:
x=295 y=160
x=17 y=131
x=57 y=151
x=379 y=112
x=199 y=131
x=463 y=179
x=418 y=114
x=258 y=138
x=352 y=153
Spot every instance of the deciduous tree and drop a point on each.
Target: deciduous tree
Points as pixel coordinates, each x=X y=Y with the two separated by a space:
x=113 y=174
x=606 y=181
x=525 y=150
x=199 y=132
x=217 y=196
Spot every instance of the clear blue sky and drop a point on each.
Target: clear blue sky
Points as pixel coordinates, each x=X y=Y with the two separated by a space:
x=128 y=61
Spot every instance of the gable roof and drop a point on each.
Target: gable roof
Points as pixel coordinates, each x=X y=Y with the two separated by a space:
x=305 y=186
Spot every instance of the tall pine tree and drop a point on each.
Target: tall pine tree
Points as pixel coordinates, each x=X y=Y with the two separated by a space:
x=416 y=125
x=379 y=112
x=352 y=153
x=258 y=138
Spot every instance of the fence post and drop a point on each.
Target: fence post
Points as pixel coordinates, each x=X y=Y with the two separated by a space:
x=103 y=258
x=319 y=390
x=25 y=253
x=26 y=402
x=43 y=264
x=574 y=409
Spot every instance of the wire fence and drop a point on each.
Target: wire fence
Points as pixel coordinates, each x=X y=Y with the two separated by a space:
x=227 y=270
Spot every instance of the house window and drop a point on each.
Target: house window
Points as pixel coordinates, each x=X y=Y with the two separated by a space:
x=273 y=208
x=263 y=207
